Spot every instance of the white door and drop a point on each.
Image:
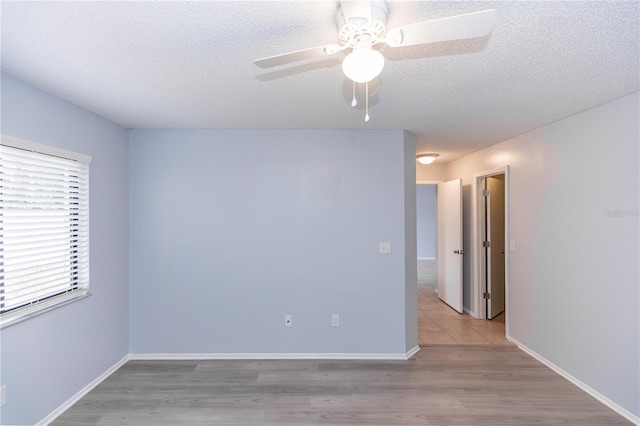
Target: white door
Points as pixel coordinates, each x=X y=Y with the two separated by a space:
x=495 y=251
x=450 y=243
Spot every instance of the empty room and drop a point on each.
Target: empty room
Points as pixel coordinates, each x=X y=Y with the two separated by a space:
x=210 y=213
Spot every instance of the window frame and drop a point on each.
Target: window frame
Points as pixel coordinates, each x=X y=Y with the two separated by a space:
x=48 y=303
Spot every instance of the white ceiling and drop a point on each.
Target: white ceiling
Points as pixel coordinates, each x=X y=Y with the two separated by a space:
x=190 y=64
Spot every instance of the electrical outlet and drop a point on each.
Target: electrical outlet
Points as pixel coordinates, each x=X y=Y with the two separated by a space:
x=385 y=248
x=287 y=321
x=3 y=395
x=335 y=320
x=512 y=245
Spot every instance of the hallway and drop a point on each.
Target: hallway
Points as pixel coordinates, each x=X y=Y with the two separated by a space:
x=439 y=324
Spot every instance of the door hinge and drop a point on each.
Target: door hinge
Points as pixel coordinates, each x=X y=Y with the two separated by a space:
x=485 y=192
x=487 y=295
x=486 y=244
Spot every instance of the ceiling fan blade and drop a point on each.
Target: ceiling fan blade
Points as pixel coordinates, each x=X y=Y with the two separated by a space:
x=298 y=55
x=469 y=25
x=356 y=10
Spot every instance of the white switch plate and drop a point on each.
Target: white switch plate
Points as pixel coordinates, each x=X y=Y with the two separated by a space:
x=512 y=245
x=3 y=395
x=385 y=248
x=335 y=320
x=287 y=321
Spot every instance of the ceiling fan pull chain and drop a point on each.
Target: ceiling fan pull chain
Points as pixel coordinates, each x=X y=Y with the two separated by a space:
x=354 y=102
x=366 y=109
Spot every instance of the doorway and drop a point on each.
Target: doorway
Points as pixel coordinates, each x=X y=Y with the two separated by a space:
x=490 y=193
x=493 y=245
x=438 y=323
x=426 y=228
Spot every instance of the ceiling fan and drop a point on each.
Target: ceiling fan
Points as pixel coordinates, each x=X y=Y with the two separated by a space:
x=362 y=25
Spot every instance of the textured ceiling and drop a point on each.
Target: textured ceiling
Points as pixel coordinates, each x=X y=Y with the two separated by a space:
x=190 y=64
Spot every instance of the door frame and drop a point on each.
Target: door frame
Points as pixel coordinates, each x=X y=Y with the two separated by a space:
x=478 y=256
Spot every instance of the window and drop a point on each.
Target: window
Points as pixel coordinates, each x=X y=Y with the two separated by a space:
x=44 y=228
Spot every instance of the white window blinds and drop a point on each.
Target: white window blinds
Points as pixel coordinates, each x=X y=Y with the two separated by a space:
x=44 y=230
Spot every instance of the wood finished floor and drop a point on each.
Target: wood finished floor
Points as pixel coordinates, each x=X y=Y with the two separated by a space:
x=442 y=385
x=439 y=324
x=487 y=382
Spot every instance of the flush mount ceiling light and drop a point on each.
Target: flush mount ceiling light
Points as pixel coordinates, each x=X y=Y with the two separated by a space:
x=363 y=24
x=426 y=158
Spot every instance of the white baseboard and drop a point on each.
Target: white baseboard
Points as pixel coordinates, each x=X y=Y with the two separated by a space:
x=469 y=312
x=412 y=352
x=426 y=258
x=82 y=392
x=594 y=393
x=310 y=356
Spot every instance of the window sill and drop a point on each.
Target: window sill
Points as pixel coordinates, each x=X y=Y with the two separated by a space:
x=28 y=312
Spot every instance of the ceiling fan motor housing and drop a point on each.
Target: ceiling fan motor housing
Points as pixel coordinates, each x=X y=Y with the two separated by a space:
x=349 y=32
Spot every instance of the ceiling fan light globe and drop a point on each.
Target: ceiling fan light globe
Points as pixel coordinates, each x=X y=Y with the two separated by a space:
x=363 y=64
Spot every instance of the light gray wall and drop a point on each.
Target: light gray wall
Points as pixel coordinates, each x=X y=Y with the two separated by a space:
x=573 y=281
x=426 y=220
x=47 y=359
x=233 y=229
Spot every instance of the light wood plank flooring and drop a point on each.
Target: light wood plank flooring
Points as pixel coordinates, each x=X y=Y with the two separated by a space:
x=443 y=385
x=439 y=324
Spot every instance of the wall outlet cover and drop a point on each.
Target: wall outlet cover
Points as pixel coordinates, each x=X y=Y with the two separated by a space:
x=385 y=248
x=335 y=320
